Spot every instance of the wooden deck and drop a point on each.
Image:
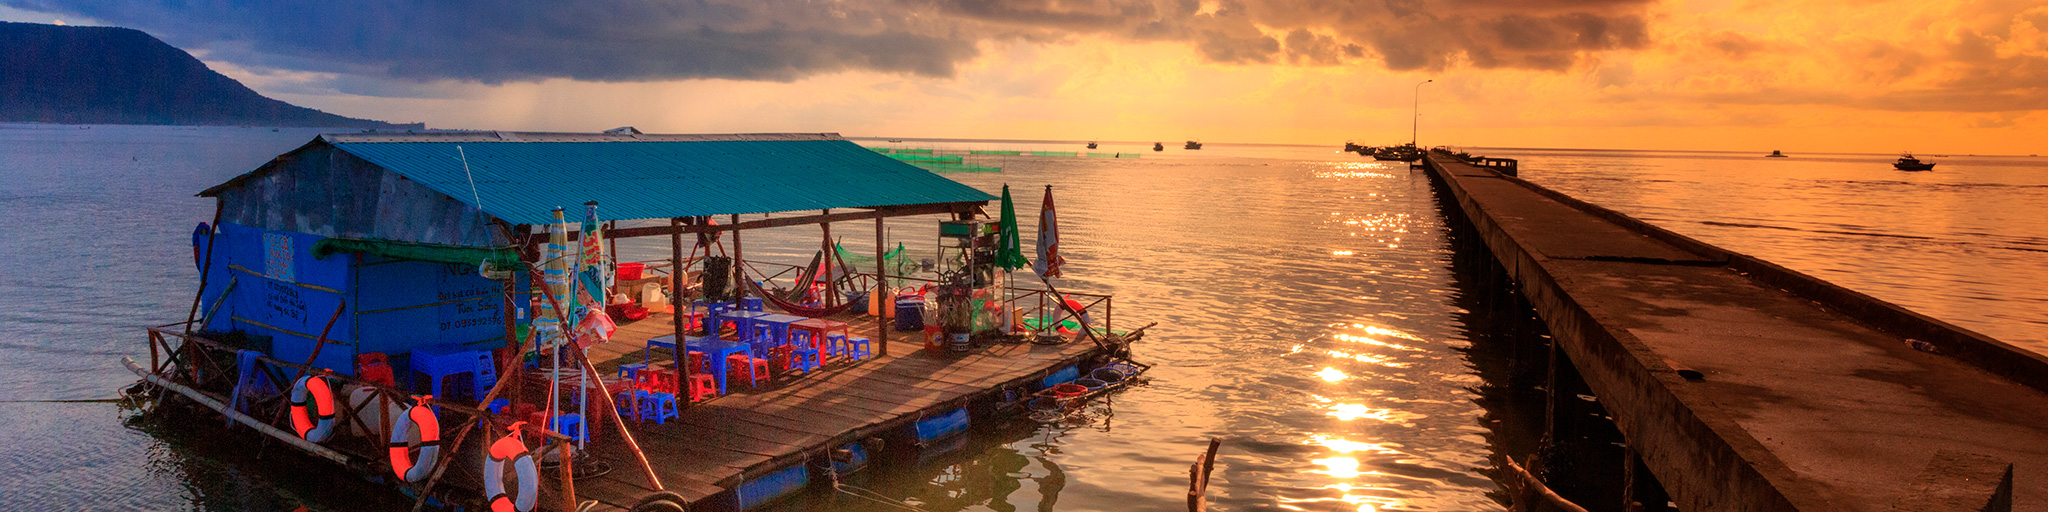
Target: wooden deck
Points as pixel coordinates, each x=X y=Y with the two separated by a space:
x=715 y=445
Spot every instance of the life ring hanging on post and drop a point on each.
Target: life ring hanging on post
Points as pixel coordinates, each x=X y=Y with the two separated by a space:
x=511 y=449
x=314 y=391
x=416 y=429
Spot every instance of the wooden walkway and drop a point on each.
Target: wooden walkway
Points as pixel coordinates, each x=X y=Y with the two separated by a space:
x=715 y=445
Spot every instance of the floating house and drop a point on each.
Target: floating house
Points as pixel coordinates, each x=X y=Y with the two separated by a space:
x=400 y=271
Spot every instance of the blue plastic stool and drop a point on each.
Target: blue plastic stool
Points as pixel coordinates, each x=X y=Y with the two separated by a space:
x=835 y=345
x=660 y=406
x=859 y=348
x=631 y=372
x=442 y=361
x=751 y=304
x=624 y=402
x=805 y=359
x=566 y=425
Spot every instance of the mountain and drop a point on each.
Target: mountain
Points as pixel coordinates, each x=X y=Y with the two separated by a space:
x=109 y=75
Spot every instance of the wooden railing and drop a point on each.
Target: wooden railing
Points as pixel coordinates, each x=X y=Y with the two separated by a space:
x=198 y=363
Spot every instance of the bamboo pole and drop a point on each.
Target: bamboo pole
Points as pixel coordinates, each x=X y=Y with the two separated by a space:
x=676 y=354
x=612 y=408
x=1198 y=477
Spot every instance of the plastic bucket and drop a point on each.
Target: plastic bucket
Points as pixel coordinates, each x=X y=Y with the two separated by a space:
x=1091 y=383
x=1107 y=374
x=631 y=271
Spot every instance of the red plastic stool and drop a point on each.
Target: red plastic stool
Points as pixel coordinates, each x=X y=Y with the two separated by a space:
x=702 y=386
x=747 y=368
x=375 y=367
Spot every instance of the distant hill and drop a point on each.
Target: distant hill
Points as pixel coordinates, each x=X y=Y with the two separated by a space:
x=107 y=75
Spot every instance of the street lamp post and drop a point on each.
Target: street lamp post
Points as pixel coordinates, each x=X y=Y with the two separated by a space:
x=1415 y=126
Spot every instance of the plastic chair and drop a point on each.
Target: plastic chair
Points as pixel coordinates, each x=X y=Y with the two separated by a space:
x=697 y=362
x=659 y=406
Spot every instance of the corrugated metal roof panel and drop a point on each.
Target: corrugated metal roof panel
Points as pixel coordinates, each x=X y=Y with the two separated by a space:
x=655 y=176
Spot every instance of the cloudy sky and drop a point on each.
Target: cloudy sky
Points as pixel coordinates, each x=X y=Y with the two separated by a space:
x=1819 y=75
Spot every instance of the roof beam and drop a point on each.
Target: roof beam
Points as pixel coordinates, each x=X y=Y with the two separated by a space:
x=966 y=207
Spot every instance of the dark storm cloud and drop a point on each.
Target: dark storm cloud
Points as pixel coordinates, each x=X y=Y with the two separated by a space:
x=629 y=40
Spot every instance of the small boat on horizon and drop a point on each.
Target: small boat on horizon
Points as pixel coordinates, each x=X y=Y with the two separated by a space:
x=1091 y=144
x=1158 y=146
x=1192 y=145
x=1908 y=163
x=1775 y=154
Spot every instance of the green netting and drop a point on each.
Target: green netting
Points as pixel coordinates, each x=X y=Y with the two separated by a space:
x=1102 y=155
x=945 y=159
x=995 y=152
x=499 y=257
x=879 y=150
x=900 y=262
x=1055 y=153
x=914 y=151
x=950 y=167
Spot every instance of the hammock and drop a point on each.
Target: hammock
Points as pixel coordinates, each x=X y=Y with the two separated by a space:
x=798 y=309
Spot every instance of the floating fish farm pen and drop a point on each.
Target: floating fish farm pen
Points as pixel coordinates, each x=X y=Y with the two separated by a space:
x=429 y=312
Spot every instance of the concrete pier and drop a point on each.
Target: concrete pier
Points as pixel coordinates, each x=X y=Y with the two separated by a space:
x=1743 y=385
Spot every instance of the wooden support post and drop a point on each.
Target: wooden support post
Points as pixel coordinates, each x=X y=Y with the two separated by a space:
x=881 y=285
x=739 y=272
x=568 y=475
x=1198 y=477
x=676 y=271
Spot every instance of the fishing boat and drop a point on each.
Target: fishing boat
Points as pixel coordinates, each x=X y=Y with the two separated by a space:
x=1091 y=144
x=1906 y=162
x=1192 y=145
x=1401 y=153
x=1157 y=146
x=1353 y=147
x=459 y=337
x=1775 y=154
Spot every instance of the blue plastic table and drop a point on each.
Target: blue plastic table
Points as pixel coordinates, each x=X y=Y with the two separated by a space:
x=743 y=321
x=715 y=351
x=778 y=330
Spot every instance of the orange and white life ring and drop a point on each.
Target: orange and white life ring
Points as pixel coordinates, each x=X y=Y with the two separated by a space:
x=317 y=393
x=418 y=429
x=511 y=449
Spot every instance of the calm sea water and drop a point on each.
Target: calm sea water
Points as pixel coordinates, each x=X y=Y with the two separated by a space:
x=1308 y=313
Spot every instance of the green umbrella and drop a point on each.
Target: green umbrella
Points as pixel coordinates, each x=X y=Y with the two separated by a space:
x=1009 y=246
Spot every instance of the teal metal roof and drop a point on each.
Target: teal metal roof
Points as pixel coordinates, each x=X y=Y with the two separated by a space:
x=521 y=178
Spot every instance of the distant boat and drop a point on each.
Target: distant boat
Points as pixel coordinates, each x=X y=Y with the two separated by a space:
x=896 y=141
x=1401 y=153
x=1091 y=144
x=1775 y=154
x=1908 y=163
x=1158 y=146
x=1192 y=145
x=1353 y=147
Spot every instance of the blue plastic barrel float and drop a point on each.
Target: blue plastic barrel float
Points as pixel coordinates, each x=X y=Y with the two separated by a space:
x=941 y=426
x=770 y=487
x=1064 y=375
